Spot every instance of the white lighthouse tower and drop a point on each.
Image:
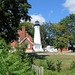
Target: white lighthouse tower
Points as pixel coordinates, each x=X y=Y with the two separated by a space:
x=37 y=38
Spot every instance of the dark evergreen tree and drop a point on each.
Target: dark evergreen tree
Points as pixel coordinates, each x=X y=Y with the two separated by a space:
x=11 y=11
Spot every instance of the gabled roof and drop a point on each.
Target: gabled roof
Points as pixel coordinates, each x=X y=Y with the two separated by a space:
x=25 y=39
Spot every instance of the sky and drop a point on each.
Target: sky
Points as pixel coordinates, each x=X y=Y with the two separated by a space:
x=50 y=10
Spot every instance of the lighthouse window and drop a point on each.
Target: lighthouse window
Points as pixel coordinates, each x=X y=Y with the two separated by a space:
x=37 y=47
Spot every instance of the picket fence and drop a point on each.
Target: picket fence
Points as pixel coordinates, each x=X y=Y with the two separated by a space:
x=38 y=70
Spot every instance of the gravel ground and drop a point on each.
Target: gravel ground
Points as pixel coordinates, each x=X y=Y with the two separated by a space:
x=52 y=53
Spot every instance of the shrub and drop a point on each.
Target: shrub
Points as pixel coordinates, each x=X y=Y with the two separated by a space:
x=42 y=63
x=58 y=64
x=50 y=65
x=72 y=66
x=16 y=63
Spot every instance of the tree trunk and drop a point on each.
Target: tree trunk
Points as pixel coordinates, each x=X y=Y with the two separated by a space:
x=61 y=49
x=72 y=46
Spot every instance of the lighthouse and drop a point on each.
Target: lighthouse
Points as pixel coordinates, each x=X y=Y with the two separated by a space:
x=37 y=38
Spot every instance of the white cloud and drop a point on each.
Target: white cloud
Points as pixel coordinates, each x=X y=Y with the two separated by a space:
x=21 y=20
x=70 y=4
x=51 y=12
x=37 y=17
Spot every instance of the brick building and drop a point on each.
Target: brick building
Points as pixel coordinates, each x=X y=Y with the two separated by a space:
x=63 y=50
x=23 y=37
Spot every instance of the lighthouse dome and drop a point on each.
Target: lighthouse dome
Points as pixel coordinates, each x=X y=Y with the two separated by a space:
x=37 y=23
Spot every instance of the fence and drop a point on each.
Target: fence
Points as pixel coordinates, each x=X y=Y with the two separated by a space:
x=38 y=70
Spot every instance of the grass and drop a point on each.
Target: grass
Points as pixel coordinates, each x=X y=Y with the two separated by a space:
x=66 y=62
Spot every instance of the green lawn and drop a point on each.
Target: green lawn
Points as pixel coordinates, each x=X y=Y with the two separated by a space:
x=66 y=62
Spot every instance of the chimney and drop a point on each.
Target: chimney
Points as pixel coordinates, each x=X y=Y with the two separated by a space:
x=23 y=31
x=23 y=28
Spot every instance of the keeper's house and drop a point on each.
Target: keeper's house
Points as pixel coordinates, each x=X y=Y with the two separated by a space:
x=23 y=37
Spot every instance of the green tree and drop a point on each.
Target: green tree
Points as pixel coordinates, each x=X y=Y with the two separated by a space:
x=73 y=37
x=61 y=36
x=11 y=11
x=46 y=34
x=60 y=44
x=15 y=63
x=69 y=22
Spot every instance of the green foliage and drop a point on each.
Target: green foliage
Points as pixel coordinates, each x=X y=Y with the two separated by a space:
x=72 y=66
x=3 y=55
x=58 y=64
x=60 y=44
x=42 y=64
x=50 y=65
x=69 y=22
x=73 y=35
x=65 y=64
x=70 y=72
x=4 y=48
x=15 y=63
x=46 y=34
x=11 y=11
x=61 y=36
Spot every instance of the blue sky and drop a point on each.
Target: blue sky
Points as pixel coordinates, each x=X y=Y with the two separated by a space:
x=51 y=10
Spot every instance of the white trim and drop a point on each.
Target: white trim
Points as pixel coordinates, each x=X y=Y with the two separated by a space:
x=24 y=39
x=21 y=41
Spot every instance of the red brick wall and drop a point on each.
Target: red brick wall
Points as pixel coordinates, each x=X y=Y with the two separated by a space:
x=21 y=33
x=28 y=36
x=64 y=50
x=31 y=46
x=14 y=44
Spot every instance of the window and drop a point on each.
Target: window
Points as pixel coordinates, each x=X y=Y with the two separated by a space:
x=25 y=41
x=37 y=47
x=18 y=39
x=28 y=45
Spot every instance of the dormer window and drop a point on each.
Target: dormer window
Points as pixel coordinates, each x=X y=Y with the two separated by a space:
x=18 y=39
